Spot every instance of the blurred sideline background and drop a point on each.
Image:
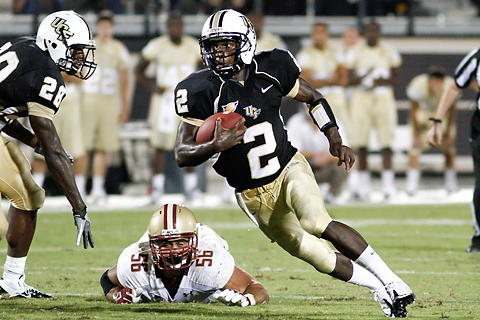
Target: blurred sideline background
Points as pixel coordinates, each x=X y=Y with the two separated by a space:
x=425 y=32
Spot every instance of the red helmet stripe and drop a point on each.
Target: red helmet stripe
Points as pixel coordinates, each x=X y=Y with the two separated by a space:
x=170 y=217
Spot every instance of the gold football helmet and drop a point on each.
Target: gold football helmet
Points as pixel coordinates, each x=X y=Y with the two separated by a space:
x=173 y=237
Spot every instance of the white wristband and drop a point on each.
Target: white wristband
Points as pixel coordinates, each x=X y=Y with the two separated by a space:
x=321 y=116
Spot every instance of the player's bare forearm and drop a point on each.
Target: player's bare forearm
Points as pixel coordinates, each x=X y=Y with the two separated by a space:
x=447 y=100
x=307 y=92
x=57 y=161
x=259 y=292
x=16 y=130
x=189 y=153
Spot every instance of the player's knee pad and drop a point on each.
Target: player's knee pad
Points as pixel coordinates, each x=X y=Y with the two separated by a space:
x=308 y=248
x=318 y=253
x=35 y=193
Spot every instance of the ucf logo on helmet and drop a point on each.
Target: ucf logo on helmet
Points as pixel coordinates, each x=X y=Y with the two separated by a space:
x=62 y=29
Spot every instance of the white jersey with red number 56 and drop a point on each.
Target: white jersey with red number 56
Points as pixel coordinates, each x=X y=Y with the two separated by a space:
x=211 y=271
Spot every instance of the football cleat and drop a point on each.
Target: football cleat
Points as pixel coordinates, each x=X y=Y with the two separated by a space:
x=382 y=297
x=20 y=289
x=402 y=296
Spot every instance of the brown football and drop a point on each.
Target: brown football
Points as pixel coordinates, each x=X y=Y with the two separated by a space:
x=229 y=120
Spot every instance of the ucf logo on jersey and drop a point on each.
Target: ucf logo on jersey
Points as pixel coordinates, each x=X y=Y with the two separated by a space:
x=62 y=29
x=251 y=111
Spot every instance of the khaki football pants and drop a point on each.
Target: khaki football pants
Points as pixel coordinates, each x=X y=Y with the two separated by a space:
x=291 y=212
x=16 y=182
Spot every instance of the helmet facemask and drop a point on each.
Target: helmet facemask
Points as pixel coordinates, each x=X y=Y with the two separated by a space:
x=166 y=256
x=79 y=61
x=214 y=58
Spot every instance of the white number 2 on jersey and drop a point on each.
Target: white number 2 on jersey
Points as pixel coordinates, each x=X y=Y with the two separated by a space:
x=265 y=129
x=181 y=101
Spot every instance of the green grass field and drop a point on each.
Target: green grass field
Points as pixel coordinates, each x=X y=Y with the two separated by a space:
x=425 y=245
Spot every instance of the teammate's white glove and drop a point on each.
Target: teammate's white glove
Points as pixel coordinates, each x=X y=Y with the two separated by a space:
x=234 y=298
x=128 y=296
x=82 y=222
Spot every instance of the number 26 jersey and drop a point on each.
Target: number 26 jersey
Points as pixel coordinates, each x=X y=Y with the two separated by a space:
x=265 y=149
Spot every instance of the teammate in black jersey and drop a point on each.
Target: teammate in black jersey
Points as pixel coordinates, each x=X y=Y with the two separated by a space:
x=31 y=85
x=274 y=184
x=467 y=75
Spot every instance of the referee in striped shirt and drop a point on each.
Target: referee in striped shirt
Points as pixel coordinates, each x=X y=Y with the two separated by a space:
x=467 y=71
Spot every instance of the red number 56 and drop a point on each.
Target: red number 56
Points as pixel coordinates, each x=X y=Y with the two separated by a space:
x=204 y=259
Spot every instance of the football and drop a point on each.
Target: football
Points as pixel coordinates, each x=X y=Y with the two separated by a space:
x=229 y=120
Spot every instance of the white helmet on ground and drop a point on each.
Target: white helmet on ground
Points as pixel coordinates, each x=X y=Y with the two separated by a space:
x=170 y=223
x=228 y=25
x=68 y=39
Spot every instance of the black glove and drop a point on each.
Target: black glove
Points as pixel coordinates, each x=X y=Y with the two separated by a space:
x=82 y=222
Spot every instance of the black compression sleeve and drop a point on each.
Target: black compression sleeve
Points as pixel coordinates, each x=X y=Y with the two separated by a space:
x=106 y=283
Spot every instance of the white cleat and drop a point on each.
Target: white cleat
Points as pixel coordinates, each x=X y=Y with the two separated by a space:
x=402 y=296
x=386 y=304
x=21 y=289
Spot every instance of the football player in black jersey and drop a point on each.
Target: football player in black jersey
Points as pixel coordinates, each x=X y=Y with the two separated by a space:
x=31 y=85
x=274 y=184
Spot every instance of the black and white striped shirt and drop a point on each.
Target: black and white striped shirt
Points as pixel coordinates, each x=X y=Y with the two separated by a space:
x=467 y=71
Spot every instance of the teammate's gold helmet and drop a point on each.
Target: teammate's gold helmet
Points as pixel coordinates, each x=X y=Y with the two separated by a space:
x=173 y=237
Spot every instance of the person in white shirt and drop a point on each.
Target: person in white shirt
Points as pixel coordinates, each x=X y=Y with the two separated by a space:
x=180 y=260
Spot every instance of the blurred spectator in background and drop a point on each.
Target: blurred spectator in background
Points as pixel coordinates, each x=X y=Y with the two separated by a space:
x=105 y=104
x=284 y=8
x=36 y=6
x=350 y=39
x=303 y=133
x=116 y=6
x=175 y=56
x=69 y=128
x=265 y=40
x=476 y=3
x=424 y=92
x=323 y=66
x=211 y=6
x=374 y=68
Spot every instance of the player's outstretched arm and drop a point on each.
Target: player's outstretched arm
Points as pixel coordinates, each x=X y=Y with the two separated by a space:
x=190 y=153
x=242 y=290
x=60 y=168
x=324 y=118
x=434 y=135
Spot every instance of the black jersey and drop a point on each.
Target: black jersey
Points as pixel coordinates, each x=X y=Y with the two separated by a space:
x=265 y=149
x=27 y=75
